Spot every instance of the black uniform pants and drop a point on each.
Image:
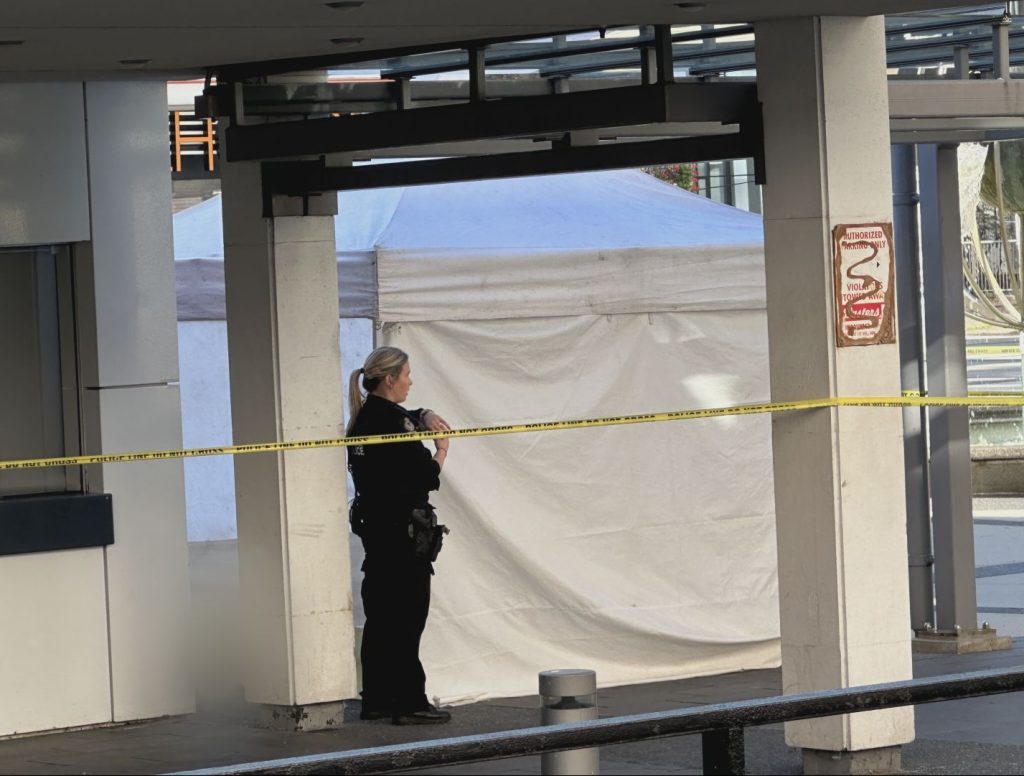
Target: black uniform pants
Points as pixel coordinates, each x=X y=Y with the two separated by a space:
x=396 y=601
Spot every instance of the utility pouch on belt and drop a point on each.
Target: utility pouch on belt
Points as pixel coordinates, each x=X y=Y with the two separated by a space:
x=427 y=536
x=356 y=518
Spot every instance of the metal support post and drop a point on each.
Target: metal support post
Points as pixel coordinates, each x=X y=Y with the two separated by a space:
x=1001 y=50
x=648 y=59
x=559 y=83
x=961 y=63
x=663 y=53
x=402 y=89
x=728 y=182
x=477 y=75
x=722 y=752
x=950 y=475
x=912 y=365
x=568 y=695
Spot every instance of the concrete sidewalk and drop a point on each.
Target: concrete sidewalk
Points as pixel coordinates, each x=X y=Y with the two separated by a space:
x=981 y=735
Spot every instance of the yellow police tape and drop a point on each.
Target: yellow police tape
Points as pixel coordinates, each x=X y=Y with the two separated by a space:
x=909 y=399
x=993 y=350
x=974 y=394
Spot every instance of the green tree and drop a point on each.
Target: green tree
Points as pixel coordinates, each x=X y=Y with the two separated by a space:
x=682 y=175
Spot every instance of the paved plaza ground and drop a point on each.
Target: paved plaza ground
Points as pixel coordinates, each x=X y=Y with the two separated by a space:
x=982 y=735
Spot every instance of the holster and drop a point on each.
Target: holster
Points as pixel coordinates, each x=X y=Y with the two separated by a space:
x=356 y=518
x=426 y=534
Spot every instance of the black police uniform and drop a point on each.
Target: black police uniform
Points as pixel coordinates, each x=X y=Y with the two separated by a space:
x=391 y=480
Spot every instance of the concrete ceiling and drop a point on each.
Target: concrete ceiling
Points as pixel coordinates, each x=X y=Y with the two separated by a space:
x=85 y=40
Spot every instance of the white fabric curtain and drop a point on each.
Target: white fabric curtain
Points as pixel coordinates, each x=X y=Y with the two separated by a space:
x=644 y=552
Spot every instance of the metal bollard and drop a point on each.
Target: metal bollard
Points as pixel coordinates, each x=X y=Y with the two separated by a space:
x=568 y=695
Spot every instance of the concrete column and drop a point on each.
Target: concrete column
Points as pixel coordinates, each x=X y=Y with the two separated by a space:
x=912 y=360
x=285 y=369
x=128 y=350
x=839 y=485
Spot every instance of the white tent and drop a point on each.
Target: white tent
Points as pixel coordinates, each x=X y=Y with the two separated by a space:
x=645 y=552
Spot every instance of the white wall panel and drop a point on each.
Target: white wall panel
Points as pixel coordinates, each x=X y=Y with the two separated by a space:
x=132 y=244
x=53 y=662
x=43 y=172
x=147 y=566
x=206 y=418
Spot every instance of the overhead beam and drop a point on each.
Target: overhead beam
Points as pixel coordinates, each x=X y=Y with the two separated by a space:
x=294 y=99
x=910 y=98
x=970 y=123
x=940 y=137
x=955 y=99
x=305 y=178
x=374 y=96
x=727 y=103
x=520 y=145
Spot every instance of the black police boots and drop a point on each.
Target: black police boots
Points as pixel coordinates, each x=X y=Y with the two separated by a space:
x=428 y=716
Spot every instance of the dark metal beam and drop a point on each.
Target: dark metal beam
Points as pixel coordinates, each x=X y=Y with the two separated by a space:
x=728 y=103
x=301 y=178
x=373 y=96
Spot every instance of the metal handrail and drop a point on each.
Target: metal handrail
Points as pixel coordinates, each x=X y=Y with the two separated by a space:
x=715 y=722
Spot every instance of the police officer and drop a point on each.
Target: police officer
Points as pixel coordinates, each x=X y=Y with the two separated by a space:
x=391 y=481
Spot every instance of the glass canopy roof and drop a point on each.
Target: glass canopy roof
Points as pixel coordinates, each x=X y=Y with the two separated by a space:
x=919 y=44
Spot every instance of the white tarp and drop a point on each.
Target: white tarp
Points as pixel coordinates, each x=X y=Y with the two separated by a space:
x=606 y=242
x=645 y=552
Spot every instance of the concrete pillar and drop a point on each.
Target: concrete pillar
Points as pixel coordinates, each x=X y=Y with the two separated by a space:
x=912 y=360
x=285 y=370
x=839 y=486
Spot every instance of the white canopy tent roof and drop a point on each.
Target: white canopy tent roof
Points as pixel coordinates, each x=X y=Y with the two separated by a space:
x=643 y=552
x=586 y=243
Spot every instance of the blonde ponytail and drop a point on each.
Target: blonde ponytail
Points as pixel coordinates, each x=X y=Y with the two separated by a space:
x=355 y=399
x=379 y=364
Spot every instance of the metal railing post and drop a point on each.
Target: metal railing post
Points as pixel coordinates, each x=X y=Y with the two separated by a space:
x=722 y=752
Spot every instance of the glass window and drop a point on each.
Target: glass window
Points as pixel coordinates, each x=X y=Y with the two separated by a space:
x=32 y=424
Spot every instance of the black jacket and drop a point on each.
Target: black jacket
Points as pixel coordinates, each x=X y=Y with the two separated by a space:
x=396 y=477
